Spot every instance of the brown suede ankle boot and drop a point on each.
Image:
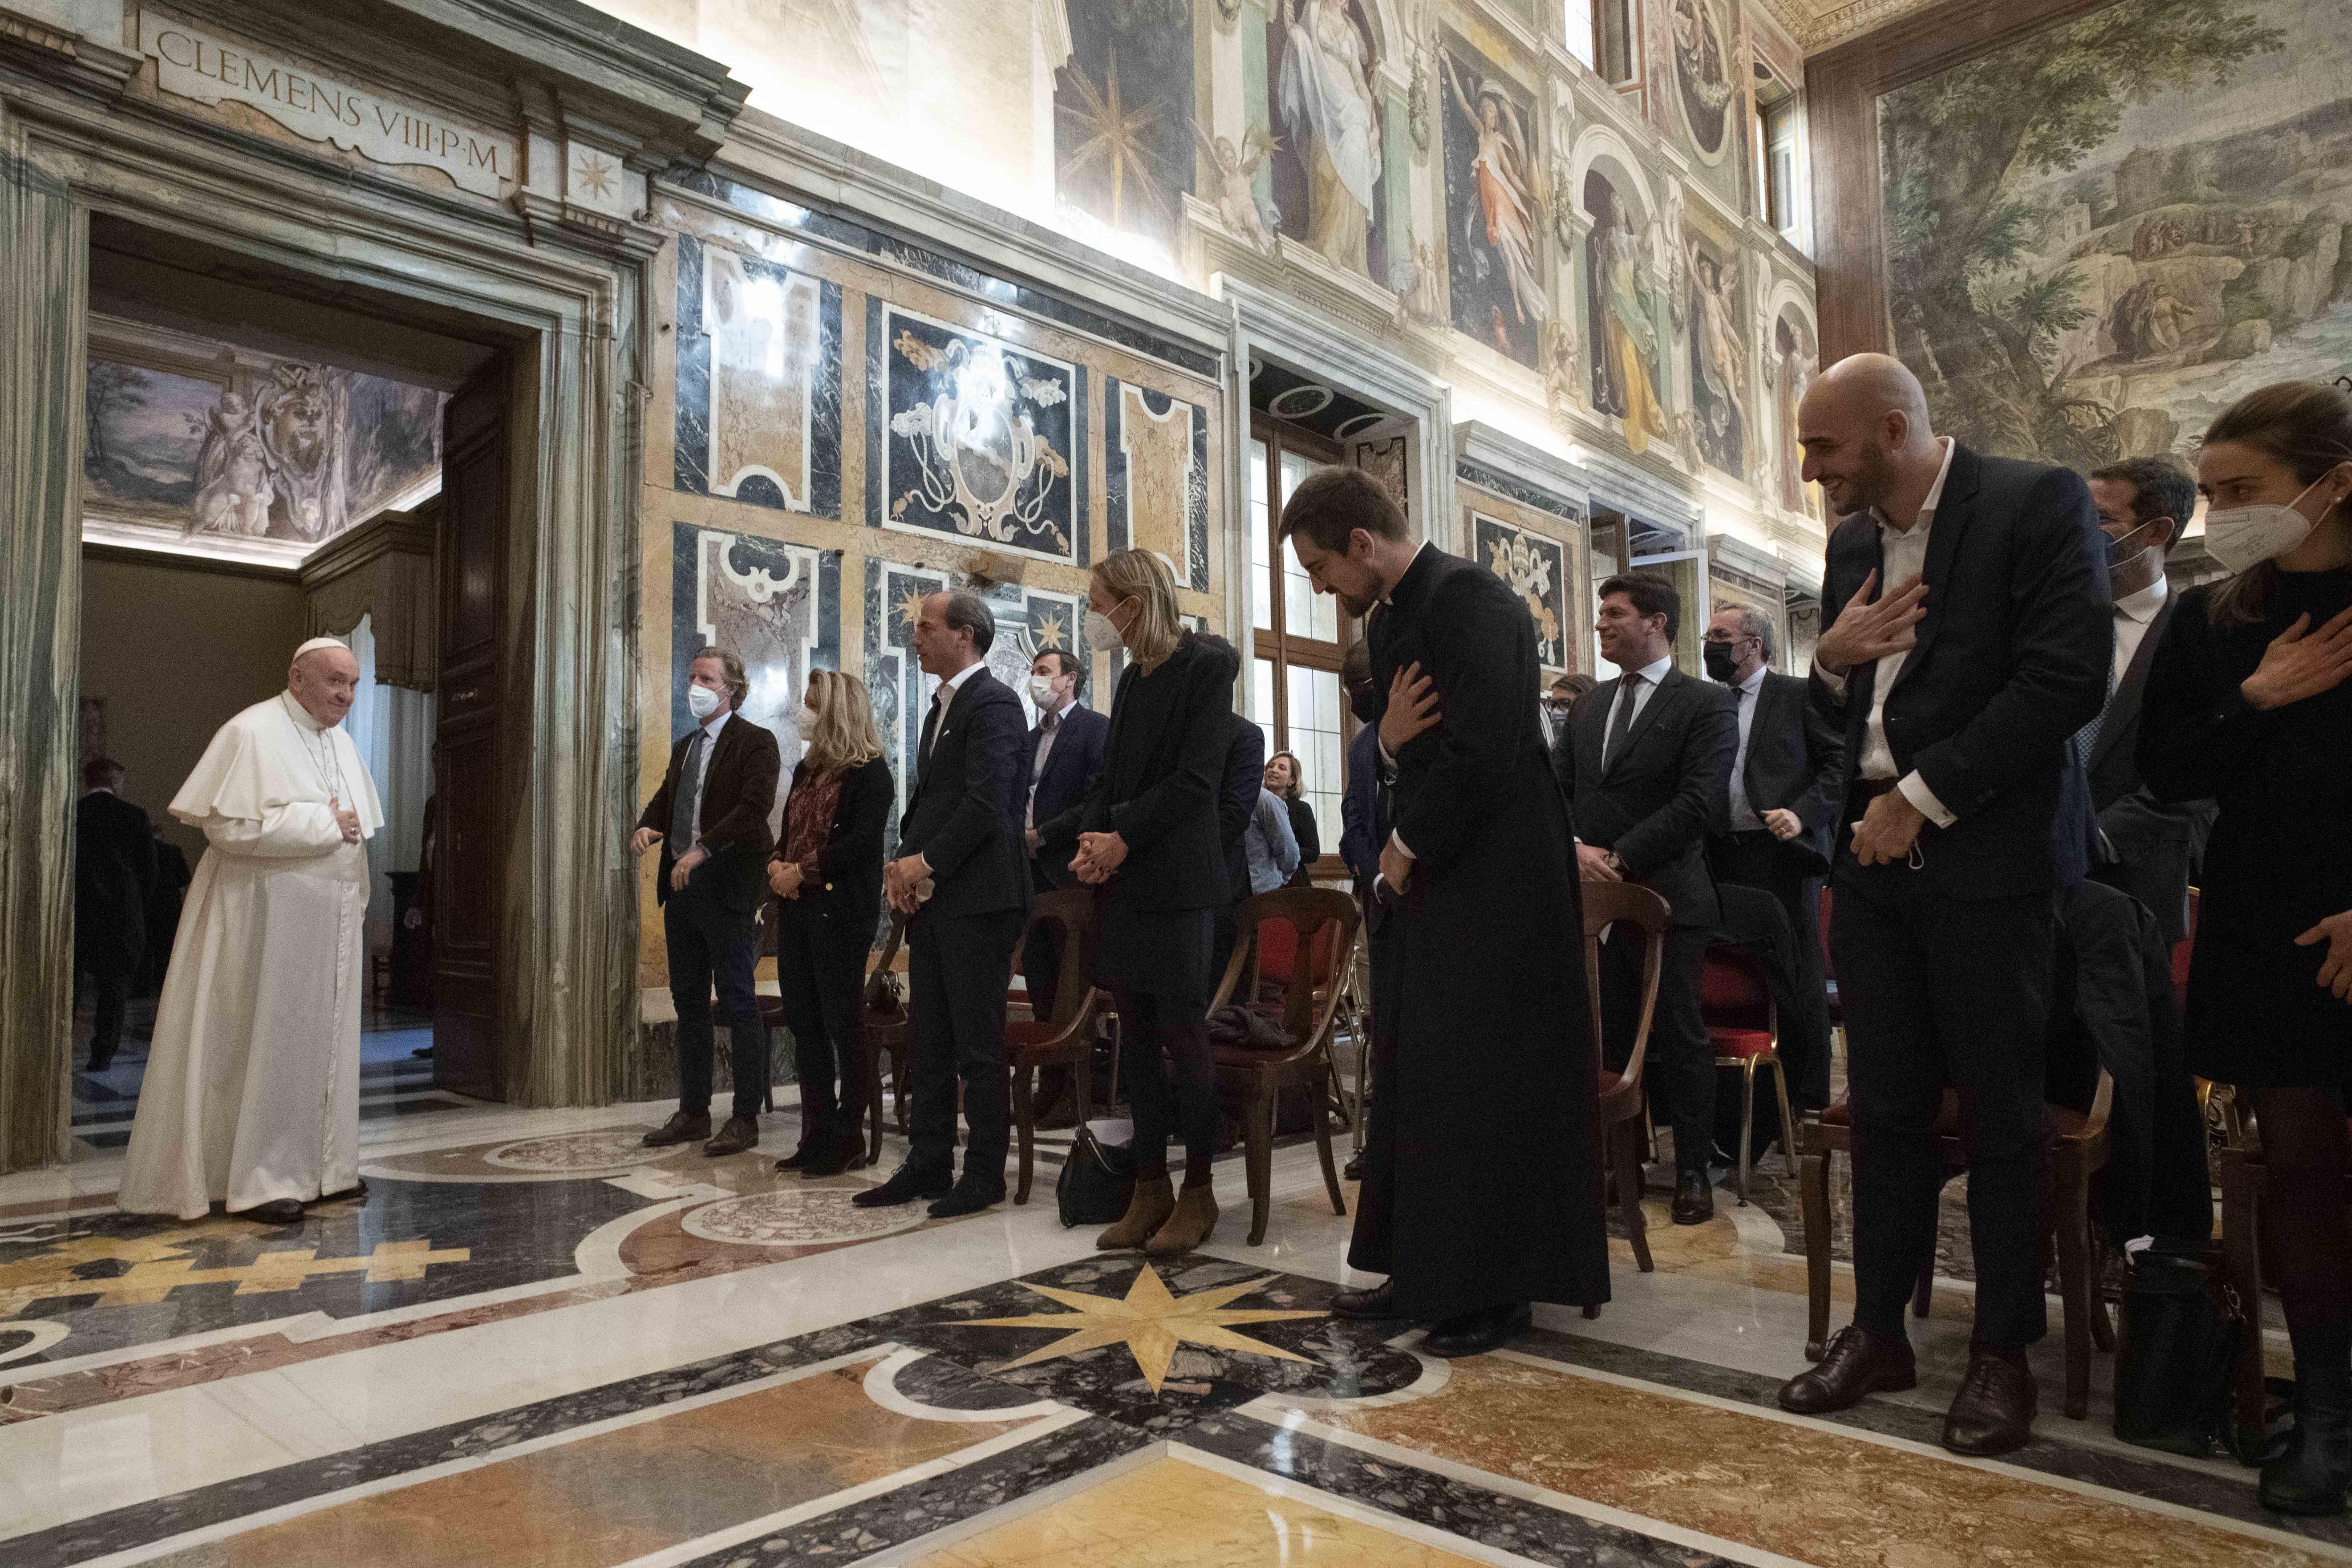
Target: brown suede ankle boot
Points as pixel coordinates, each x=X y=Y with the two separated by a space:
x=1147 y=1211
x=1194 y=1218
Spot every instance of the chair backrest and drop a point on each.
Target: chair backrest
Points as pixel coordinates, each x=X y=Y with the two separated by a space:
x=2183 y=949
x=1626 y=905
x=883 y=993
x=1323 y=920
x=1072 y=910
x=1733 y=989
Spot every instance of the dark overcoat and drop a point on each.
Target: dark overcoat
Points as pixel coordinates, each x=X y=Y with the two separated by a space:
x=1484 y=1185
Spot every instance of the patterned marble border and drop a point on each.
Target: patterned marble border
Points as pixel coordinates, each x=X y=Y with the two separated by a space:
x=1568 y=507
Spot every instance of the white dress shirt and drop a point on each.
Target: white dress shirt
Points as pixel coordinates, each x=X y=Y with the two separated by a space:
x=1744 y=818
x=710 y=729
x=1643 y=689
x=2135 y=613
x=1905 y=553
x=941 y=698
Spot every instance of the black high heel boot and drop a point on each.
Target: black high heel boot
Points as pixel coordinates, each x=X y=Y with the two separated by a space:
x=2311 y=1476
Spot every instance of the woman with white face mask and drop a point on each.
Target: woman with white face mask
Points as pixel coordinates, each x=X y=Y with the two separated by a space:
x=2248 y=702
x=827 y=878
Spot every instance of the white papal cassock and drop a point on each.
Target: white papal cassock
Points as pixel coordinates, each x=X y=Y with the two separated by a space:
x=252 y=1091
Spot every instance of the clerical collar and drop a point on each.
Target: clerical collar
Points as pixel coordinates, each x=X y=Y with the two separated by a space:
x=1390 y=597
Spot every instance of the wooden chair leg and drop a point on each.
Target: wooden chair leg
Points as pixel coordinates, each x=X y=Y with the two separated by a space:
x=1625 y=1145
x=899 y=1085
x=2103 y=1331
x=2241 y=1268
x=1258 y=1163
x=1787 y=1120
x=874 y=1106
x=1813 y=1188
x=1323 y=1146
x=1025 y=1130
x=1747 y=1124
x=2070 y=1216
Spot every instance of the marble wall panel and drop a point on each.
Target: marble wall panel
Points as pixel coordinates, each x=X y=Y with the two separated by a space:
x=776 y=606
x=759 y=381
x=1533 y=539
x=1156 y=457
x=1537 y=569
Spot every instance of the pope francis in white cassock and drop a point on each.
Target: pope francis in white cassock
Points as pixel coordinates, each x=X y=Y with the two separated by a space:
x=252 y=1092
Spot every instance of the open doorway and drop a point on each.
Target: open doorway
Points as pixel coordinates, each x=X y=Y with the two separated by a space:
x=267 y=459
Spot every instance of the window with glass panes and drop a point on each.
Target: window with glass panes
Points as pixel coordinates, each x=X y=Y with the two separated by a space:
x=1300 y=634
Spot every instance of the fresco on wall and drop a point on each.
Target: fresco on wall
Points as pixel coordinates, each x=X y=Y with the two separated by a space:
x=774 y=605
x=2100 y=235
x=1791 y=363
x=1494 y=211
x=206 y=445
x=1706 y=91
x=1320 y=65
x=1621 y=299
x=981 y=437
x=1537 y=569
x=1123 y=114
x=1156 y=486
x=1718 y=361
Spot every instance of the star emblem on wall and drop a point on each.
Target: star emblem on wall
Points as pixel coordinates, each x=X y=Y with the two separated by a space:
x=910 y=606
x=595 y=176
x=1148 y=1321
x=1051 y=633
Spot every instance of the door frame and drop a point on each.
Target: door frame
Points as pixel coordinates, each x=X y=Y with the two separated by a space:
x=565 y=290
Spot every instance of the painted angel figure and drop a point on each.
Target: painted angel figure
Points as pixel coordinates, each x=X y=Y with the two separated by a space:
x=233 y=477
x=1325 y=89
x=1722 y=360
x=1236 y=198
x=1507 y=203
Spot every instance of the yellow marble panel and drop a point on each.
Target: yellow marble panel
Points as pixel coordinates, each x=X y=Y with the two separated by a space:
x=620 y=1494
x=1172 y=1514
x=1803 y=1492
x=1159 y=452
x=763 y=337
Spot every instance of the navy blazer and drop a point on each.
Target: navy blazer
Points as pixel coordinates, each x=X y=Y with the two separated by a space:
x=1070 y=770
x=1665 y=787
x=2009 y=660
x=963 y=806
x=1361 y=833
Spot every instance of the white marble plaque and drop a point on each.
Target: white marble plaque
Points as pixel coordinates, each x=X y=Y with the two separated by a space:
x=195 y=64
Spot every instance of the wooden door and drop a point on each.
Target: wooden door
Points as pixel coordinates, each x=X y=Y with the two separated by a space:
x=468 y=783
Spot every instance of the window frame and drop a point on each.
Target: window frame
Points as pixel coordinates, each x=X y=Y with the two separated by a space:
x=1278 y=646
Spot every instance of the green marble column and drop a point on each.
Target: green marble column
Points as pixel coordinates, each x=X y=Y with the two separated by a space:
x=44 y=293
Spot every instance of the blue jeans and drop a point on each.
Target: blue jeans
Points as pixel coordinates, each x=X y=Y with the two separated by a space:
x=710 y=944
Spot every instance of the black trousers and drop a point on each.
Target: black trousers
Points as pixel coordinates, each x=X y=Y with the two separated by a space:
x=710 y=945
x=821 y=981
x=108 y=991
x=958 y=970
x=1172 y=1080
x=1938 y=993
x=1680 y=1068
x=1757 y=859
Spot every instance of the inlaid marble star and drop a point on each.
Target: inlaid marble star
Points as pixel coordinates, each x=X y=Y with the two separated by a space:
x=595 y=176
x=1149 y=1322
x=1051 y=633
x=911 y=607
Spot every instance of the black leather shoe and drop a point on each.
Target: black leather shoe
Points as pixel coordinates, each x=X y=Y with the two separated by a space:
x=1354 y=1169
x=802 y=1155
x=1994 y=1411
x=277 y=1211
x=832 y=1157
x=907 y=1184
x=682 y=1127
x=740 y=1132
x=1694 y=1199
x=1856 y=1366
x=99 y=1064
x=1376 y=1305
x=1476 y=1334
x=2310 y=1478
x=968 y=1197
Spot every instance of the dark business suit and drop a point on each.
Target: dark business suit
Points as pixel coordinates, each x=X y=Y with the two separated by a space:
x=708 y=927
x=1237 y=791
x=1071 y=764
x=1944 y=963
x=2155 y=843
x=114 y=878
x=963 y=816
x=1652 y=801
x=1795 y=762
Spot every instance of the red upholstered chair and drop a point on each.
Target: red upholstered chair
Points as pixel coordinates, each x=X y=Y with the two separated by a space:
x=1305 y=998
x=2182 y=948
x=1625 y=904
x=2080 y=1150
x=1744 y=1027
x=1065 y=1039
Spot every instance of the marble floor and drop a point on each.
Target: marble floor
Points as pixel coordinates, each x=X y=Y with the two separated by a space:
x=537 y=1342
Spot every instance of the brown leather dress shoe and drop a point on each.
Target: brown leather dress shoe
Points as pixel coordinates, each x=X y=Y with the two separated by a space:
x=740 y=1132
x=682 y=1127
x=1994 y=1411
x=1856 y=1366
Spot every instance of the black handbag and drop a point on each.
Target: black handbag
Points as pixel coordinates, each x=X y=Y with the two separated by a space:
x=2174 y=1358
x=1098 y=1180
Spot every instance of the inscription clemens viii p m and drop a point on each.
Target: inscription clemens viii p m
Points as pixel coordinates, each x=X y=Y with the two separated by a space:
x=194 y=64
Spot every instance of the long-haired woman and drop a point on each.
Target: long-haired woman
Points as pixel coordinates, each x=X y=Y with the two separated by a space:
x=2248 y=703
x=1147 y=835
x=827 y=880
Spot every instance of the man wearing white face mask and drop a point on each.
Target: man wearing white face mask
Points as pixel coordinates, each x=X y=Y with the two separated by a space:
x=710 y=817
x=1058 y=764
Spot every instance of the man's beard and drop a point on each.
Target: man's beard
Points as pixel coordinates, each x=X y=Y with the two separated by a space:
x=1358 y=608
x=1870 y=483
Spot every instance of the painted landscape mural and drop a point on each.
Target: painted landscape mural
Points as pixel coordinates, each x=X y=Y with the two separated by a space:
x=2102 y=234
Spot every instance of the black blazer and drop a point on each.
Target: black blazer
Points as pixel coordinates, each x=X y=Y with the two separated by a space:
x=1237 y=792
x=2114 y=770
x=1665 y=789
x=1070 y=770
x=114 y=878
x=965 y=805
x=1796 y=762
x=847 y=891
x=2010 y=659
x=739 y=791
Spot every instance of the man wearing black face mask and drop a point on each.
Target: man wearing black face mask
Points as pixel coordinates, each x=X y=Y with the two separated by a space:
x=1786 y=778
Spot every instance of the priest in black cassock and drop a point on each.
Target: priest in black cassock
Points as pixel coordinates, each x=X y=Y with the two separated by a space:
x=1482 y=1162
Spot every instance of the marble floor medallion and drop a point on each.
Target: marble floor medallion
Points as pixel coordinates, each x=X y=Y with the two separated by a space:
x=797 y=1216
x=1149 y=1322
x=577 y=1153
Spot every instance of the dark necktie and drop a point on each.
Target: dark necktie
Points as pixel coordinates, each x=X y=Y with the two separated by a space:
x=931 y=727
x=1628 y=695
x=688 y=794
